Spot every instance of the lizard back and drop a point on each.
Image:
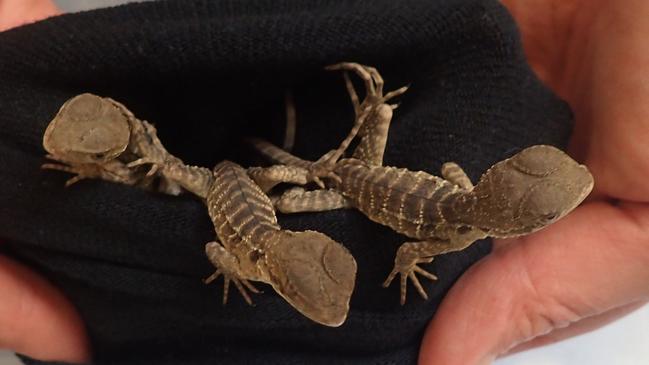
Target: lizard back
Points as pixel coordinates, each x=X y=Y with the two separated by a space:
x=409 y=202
x=240 y=211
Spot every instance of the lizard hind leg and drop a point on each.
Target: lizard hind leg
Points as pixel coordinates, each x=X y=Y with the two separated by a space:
x=372 y=116
x=370 y=76
x=373 y=97
x=228 y=266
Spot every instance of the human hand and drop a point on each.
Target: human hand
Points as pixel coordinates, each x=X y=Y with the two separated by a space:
x=592 y=266
x=18 y=12
x=35 y=318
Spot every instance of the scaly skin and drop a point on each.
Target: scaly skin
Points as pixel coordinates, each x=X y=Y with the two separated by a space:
x=99 y=138
x=314 y=273
x=95 y=137
x=517 y=196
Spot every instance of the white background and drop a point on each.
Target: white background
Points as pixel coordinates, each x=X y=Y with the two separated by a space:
x=625 y=342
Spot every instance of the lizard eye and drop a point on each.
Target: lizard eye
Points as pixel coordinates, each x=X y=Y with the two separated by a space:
x=100 y=155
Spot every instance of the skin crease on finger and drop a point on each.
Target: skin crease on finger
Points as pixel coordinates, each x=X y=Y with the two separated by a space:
x=591 y=267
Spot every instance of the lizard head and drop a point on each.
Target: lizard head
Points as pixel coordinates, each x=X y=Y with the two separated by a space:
x=315 y=274
x=529 y=191
x=87 y=129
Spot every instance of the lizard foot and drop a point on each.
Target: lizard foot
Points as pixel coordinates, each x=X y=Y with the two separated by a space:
x=405 y=264
x=241 y=285
x=110 y=171
x=80 y=171
x=114 y=172
x=323 y=168
x=373 y=86
x=228 y=266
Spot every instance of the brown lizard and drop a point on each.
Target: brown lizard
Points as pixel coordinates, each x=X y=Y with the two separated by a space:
x=99 y=138
x=96 y=137
x=516 y=196
x=314 y=273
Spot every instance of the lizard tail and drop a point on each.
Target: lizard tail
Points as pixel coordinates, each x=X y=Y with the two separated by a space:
x=276 y=154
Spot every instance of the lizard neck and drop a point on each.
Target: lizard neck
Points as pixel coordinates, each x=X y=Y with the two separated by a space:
x=460 y=207
x=479 y=210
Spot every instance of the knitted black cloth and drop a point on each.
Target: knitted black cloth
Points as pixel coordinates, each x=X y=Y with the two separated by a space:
x=207 y=73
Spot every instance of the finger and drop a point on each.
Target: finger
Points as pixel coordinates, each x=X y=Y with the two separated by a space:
x=36 y=319
x=546 y=51
x=588 y=263
x=578 y=328
x=17 y=12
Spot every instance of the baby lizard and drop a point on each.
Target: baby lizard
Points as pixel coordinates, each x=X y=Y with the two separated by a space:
x=99 y=138
x=516 y=196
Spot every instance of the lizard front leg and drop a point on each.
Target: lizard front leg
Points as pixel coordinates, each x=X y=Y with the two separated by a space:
x=412 y=253
x=148 y=149
x=228 y=266
x=113 y=171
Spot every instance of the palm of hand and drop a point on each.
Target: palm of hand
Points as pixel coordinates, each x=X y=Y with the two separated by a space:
x=592 y=266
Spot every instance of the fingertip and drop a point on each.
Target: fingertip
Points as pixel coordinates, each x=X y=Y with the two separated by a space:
x=463 y=331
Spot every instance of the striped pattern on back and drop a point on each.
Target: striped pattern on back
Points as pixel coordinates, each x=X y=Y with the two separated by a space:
x=241 y=212
x=408 y=202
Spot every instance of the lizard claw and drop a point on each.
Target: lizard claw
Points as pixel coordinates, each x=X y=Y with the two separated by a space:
x=142 y=161
x=227 y=265
x=239 y=283
x=155 y=165
x=318 y=182
x=405 y=264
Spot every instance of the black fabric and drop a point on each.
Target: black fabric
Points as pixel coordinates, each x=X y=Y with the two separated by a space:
x=207 y=73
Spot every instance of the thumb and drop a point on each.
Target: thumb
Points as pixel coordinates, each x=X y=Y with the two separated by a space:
x=36 y=319
x=593 y=262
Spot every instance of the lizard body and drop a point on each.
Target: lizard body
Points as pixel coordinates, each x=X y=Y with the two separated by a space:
x=516 y=196
x=314 y=273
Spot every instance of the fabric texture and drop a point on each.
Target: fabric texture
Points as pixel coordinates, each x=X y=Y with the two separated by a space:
x=208 y=73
